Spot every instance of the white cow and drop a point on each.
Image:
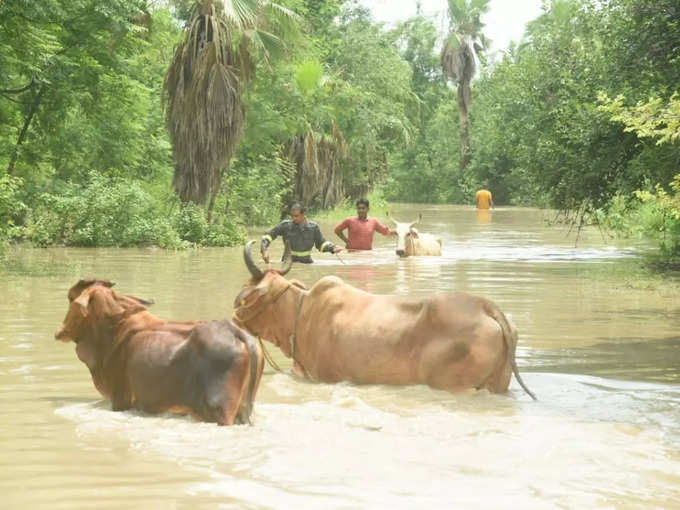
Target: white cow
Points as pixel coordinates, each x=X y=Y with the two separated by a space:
x=411 y=242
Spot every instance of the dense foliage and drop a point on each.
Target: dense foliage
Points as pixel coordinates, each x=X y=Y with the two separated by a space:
x=581 y=115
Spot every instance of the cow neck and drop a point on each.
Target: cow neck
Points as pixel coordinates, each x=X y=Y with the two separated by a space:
x=293 y=337
x=119 y=341
x=102 y=337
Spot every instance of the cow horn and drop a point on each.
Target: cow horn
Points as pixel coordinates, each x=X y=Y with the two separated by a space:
x=144 y=302
x=287 y=262
x=252 y=267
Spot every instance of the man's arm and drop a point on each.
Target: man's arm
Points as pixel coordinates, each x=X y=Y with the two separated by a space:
x=323 y=245
x=384 y=229
x=339 y=231
x=490 y=200
x=267 y=239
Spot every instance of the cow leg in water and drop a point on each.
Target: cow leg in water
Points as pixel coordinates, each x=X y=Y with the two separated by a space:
x=235 y=391
x=121 y=401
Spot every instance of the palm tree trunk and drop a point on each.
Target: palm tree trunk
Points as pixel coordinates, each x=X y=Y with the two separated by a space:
x=216 y=191
x=463 y=100
x=24 y=130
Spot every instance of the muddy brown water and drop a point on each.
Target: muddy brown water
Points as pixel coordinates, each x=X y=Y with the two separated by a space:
x=602 y=356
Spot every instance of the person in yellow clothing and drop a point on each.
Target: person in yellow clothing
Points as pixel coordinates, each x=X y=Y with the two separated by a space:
x=483 y=199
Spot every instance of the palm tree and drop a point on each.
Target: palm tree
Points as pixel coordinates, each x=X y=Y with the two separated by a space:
x=319 y=148
x=204 y=86
x=460 y=50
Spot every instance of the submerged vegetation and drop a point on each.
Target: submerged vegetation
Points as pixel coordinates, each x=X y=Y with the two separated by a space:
x=180 y=122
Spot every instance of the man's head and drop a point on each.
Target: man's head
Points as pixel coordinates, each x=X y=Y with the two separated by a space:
x=297 y=214
x=362 y=208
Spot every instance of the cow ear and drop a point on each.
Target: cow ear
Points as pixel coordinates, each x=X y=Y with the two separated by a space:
x=82 y=302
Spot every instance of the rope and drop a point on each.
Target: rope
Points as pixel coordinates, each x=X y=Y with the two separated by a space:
x=297 y=316
x=268 y=356
x=294 y=336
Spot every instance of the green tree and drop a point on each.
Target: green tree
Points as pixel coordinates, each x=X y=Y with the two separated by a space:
x=205 y=83
x=650 y=119
x=56 y=61
x=337 y=114
x=424 y=171
x=462 y=46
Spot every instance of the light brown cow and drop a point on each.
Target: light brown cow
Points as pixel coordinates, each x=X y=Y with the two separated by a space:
x=410 y=242
x=336 y=332
x=209 y=369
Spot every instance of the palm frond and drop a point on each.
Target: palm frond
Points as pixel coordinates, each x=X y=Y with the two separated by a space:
x=240 y=13
x=204 y=87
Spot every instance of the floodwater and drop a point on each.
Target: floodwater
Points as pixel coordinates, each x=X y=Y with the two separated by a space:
x=601 y=353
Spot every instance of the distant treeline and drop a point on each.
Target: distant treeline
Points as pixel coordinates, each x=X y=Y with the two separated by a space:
x=582 y=115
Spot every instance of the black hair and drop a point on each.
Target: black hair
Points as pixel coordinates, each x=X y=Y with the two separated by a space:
x=363 y=201
x=297 y=206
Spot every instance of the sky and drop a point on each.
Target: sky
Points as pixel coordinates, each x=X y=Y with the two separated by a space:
x=504 y=22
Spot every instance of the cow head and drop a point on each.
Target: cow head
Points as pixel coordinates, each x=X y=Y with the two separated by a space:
x=261 y=305
x=405 y=235
x=94 y=309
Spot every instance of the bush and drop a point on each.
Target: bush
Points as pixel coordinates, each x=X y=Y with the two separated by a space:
x=255 y=190
x=12 y=208
x=652 y=214
x=228 y=234
x=109 y=211
x=659 y=218
x=103 y=212
x=192 y=226
x=191 y=223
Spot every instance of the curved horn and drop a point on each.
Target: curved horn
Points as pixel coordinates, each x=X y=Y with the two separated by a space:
x=144 y=302
x=287 y=261
x=252 y=267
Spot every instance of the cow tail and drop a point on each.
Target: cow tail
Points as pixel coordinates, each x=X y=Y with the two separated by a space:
x=254 y=355
x=511 y=340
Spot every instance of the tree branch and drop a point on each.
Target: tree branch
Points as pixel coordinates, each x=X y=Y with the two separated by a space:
x=20 y=89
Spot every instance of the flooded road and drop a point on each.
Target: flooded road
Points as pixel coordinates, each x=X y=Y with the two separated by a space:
x=601 y=352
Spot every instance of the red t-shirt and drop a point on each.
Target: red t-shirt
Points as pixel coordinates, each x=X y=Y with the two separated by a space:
x=361 y=232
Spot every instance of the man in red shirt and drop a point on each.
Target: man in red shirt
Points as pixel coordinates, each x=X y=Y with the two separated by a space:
x=361 y=228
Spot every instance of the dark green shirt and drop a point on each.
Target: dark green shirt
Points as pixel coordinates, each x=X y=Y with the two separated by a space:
x=302 y=239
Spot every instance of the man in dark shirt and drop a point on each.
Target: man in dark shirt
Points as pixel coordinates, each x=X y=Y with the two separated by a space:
x=302 y=235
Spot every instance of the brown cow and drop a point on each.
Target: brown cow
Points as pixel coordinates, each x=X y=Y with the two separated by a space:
x=336 y=332
x=209 y=369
